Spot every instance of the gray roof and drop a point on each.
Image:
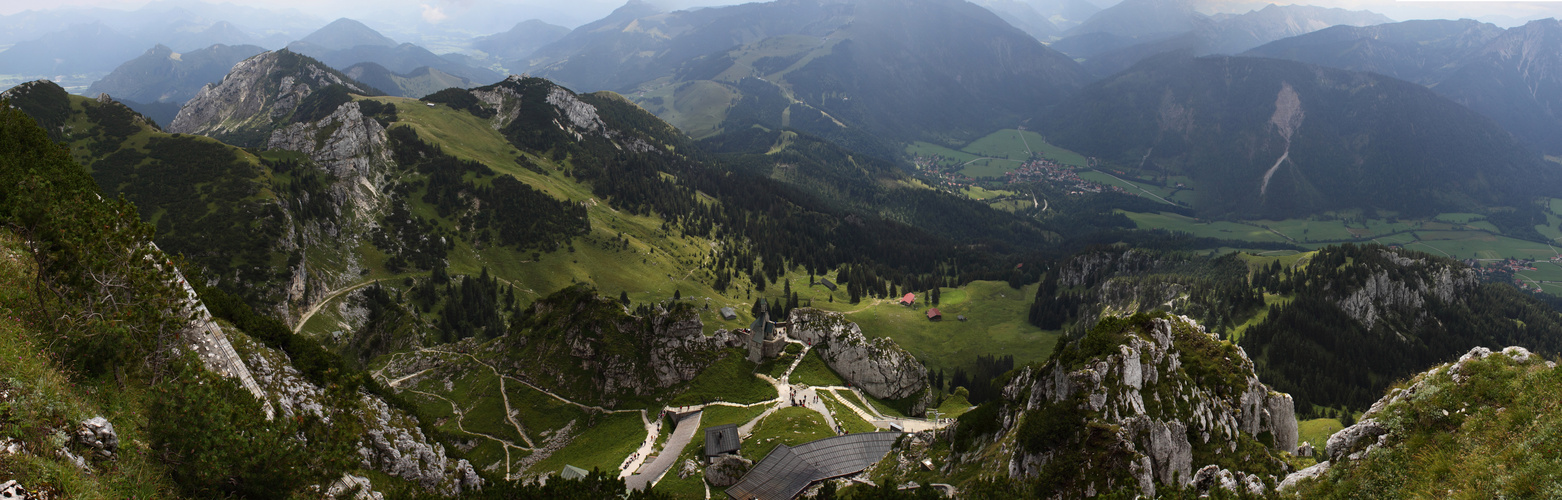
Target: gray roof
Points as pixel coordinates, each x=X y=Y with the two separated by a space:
x=728 y=313
x=721 y=439
x=788 y=470
x=573 y=472
x=827 y=284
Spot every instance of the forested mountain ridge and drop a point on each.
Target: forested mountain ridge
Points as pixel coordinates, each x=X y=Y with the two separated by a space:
x=224 y=208
x=1508 y=75
x=1332 y=328
x=856 y=72
x=1273 y=138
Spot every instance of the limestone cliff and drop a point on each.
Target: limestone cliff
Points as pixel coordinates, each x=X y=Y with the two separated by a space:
x=259 y=93
x=1139 y=404
x=879 y=366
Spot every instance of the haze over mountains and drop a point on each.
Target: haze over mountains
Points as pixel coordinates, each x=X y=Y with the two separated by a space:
x=996 y=248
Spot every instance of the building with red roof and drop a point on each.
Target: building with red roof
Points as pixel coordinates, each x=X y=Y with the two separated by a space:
x=909 y=299
x=934 y=315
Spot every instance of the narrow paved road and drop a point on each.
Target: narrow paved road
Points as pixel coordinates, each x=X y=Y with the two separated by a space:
x=650 y=474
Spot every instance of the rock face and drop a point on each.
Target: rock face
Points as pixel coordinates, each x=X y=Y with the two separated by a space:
x=97 y=433
x=727 y=470
x=879 y=366
x=1167 y=400
x=350 y=146
x=255 y=94
x=392 y=441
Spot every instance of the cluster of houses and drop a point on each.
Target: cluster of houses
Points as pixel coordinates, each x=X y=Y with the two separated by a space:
x=1058 y=176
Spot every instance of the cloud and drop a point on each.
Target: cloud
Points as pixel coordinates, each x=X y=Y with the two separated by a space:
x=433 y=14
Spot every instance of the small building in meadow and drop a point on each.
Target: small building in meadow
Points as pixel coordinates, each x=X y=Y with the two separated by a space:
x=909 y=299
x=933 y=314
x=727 y=313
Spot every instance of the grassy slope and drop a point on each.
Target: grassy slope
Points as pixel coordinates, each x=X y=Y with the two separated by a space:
x=791 y=426
x=995 y=324
x=1317 y=431
x=812 y=371
x=1495 y=435
x=729 y=380
x=40 y=397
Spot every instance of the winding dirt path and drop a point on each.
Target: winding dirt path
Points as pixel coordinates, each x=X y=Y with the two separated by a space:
x=297 y=327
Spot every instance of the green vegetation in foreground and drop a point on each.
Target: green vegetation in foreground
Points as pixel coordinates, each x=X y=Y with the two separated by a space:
x=1494 y=435
x=813 y=372
x=845 y=417
x=791 y=426
x=1317 y=431
x=995 y=325
x=40 y=396
x=603 y=442
x=728 y=379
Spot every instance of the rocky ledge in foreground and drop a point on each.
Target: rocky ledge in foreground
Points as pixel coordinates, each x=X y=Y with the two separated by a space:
x=1485 y=426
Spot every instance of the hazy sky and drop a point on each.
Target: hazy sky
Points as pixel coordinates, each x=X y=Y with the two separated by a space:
x=575 y=12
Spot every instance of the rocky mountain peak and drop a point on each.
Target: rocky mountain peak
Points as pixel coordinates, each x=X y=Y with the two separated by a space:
x=1159 y=401
x=346 y=33
x=259 y=93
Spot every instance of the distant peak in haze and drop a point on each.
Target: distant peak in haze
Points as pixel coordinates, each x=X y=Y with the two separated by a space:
x=346 y=33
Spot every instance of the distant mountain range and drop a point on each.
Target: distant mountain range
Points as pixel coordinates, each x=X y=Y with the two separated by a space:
x=1116 y=38
x=526 y=37
x=162 y=76
x=1277 y=139
x=1513 y=76
x=863 y=73
x=346 y=42
x=416 y=83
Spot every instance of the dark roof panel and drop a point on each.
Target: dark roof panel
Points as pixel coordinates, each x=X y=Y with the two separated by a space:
x=721 y=439
x=787 y=471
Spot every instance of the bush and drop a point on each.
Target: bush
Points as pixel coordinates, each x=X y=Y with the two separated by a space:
x=216 y=440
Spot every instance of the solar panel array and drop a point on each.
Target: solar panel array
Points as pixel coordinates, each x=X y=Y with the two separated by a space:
x=786 y=471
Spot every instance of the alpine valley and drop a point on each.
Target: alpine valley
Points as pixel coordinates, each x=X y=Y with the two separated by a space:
x=833 y=249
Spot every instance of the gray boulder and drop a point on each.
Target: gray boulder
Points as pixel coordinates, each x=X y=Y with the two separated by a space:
x=727 y=470
x=1352 y=439
x=97 y=433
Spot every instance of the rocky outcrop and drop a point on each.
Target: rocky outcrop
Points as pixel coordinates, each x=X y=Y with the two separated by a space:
x=1174 y=398
x=392 y=442
x=1428 y=404
x=98 y=434
x=350 y=146
x=879 y=366
x=726 y=470
x=1211 y=477
x=257 y=93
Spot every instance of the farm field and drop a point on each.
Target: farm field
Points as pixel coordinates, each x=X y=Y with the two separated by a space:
x=1006 y=149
